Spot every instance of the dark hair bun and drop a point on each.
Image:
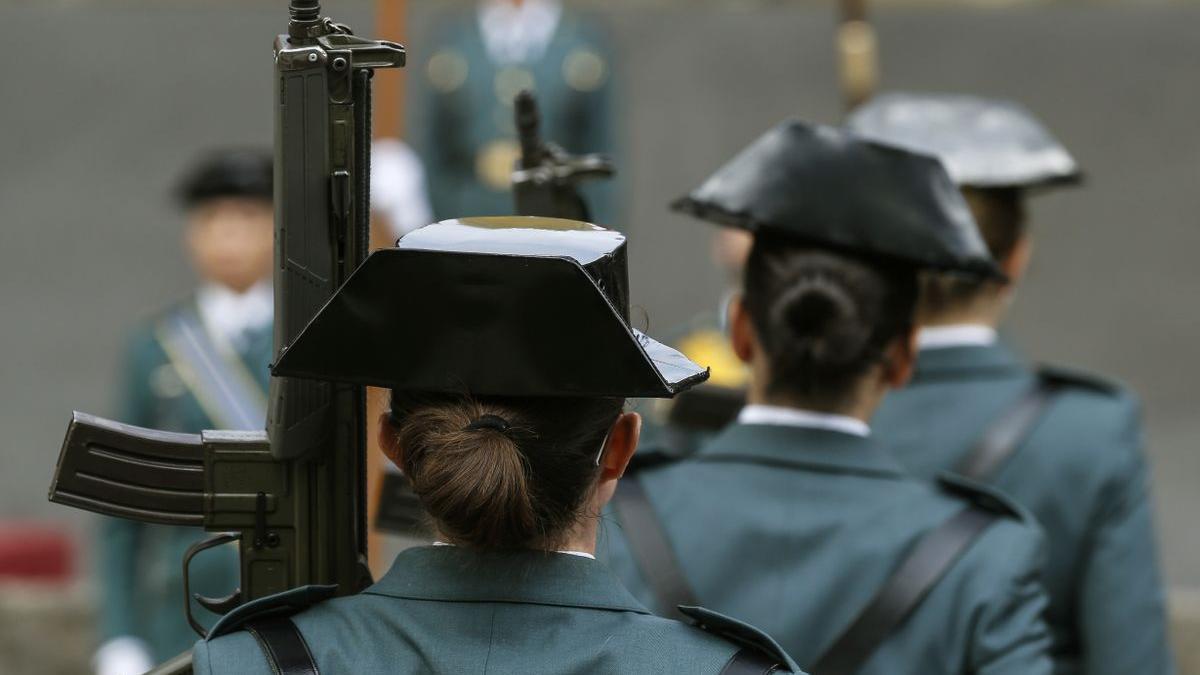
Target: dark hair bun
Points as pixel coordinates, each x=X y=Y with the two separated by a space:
x=823 y=317
x=823 y=321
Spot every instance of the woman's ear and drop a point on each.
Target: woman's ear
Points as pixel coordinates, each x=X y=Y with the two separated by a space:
x=388 y=440
x=900 y=359
x=619 y=447
x=741 y=330
x=1017 y=261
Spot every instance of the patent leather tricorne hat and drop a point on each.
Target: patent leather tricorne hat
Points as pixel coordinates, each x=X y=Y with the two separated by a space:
x=830 y=188
x=984 y=143
x=507 y=306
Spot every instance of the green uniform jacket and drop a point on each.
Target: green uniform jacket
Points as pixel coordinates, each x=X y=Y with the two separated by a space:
x=443 y=609
x=463 y=114
x=795 y=530
x=1080 y=471
x=140 y=566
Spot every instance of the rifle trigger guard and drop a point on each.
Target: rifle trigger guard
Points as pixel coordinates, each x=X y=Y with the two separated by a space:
x=215 y=605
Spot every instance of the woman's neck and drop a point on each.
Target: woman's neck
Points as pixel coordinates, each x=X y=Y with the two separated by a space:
x=861 y=408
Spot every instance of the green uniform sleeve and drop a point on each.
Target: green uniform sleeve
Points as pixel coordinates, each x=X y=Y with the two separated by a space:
x=119 y=539
x=236 y=653
x=201 y=664
x=1122 y=608
x=1011 y=635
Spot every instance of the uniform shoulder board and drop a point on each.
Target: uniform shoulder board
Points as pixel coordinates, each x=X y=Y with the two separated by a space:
x=982 y=495
x=739 y=633
x=287 y=603
x=1067 y=377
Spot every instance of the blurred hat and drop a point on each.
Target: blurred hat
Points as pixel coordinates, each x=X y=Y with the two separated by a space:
x=502 y=306
x=228 y=173
x=829 y=188
x=984 y=143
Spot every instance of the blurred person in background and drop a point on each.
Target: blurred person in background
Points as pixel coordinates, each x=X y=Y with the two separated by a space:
x=678 y=426
x=399 y=189
x=1066 y=445
x=200 y=364
x=462 y=110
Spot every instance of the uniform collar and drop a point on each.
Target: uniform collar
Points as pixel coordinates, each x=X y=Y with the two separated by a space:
x=957 y=335
x=232 y=317
x=802 y=447
x=455 y=574
x=996 y=358
x=757 y=413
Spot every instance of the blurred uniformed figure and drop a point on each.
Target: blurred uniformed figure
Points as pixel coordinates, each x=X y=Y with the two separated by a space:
x=1074 y=440
x=680 y=425
x=796 y=517
x=399 y=188
x=463 y=101
x=507 y=415
x=706 y=339
x=200 y=364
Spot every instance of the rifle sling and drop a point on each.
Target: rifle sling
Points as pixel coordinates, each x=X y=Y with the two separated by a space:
x=1002 y=438
x=216 y=376
x=284 y=647
x=750 y=662
x=934 y=554
x=650 y=547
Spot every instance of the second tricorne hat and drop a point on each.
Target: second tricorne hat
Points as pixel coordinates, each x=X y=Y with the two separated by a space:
x=830 y=188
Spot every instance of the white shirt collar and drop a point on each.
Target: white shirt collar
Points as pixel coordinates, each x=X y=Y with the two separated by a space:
x=513 y=34
x=794 y=417
x=956 y=335
x=579 y=554
x=229 y=315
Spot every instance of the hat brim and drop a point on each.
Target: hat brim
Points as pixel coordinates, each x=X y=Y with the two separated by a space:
x=482 y=324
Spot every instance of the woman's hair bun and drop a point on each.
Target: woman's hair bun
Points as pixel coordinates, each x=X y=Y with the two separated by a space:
x=822 y=319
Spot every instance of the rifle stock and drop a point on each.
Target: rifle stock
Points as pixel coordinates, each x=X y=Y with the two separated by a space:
x=546 y=179
x=293 y=497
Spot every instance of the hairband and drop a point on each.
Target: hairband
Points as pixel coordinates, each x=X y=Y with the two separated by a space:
x=488 y=421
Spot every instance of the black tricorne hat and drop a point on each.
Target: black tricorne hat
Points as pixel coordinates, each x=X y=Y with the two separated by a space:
x=827 y=187
x=228 y=173
x=502 y=306
x=984 y=143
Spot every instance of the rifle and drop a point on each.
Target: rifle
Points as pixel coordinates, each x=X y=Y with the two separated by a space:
x=545 y=179
x=292 y=496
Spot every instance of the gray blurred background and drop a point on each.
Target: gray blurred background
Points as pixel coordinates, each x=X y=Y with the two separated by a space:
x=103 y=102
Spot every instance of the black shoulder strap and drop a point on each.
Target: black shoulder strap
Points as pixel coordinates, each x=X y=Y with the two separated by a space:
x=904 y=590
x=1004 y=435
x=650 y=548
x=284 y=646
x=750 y=662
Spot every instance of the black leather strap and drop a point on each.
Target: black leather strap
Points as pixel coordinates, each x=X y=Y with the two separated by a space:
x=750 y=662
x=1002 y=438
x=285 y=648
x=904 y=590
x=650 y=547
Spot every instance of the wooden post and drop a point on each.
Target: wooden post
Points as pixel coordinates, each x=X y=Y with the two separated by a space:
x=391 y=22
x=858 y=62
